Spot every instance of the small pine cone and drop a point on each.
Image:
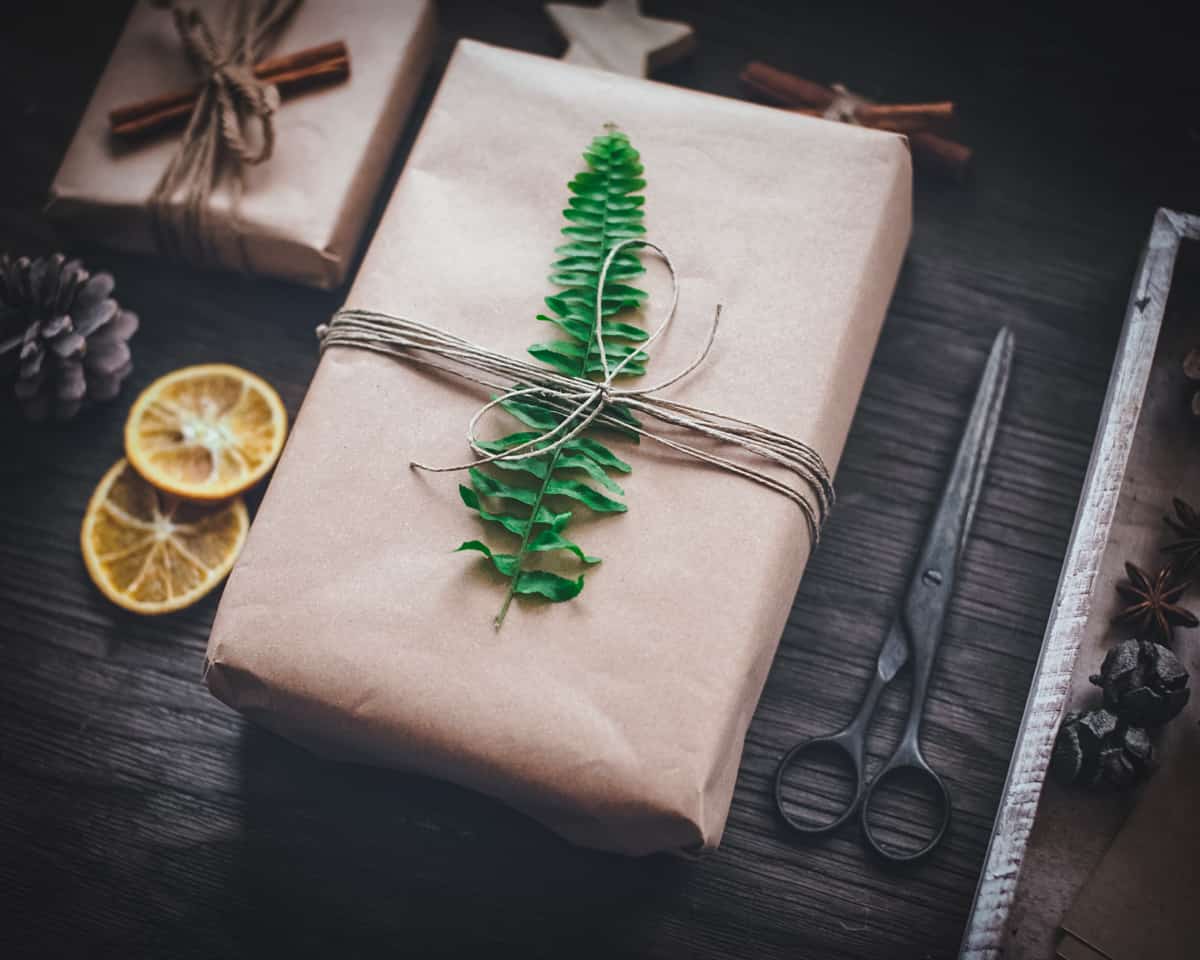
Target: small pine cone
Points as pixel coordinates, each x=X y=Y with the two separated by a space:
x=1144 y=683
x=1096 y=747
x=61 y=335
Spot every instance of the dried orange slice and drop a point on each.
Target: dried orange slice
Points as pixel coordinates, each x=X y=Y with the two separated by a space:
x=151 y=552
x=206 y=432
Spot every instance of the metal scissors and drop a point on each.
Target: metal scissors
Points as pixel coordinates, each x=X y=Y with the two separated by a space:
x=916 y=632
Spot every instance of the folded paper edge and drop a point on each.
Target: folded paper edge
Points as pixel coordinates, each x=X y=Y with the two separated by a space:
x=240 y=688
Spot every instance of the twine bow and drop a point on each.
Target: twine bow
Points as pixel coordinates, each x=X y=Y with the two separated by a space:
x=583 y=402
x=231 y=105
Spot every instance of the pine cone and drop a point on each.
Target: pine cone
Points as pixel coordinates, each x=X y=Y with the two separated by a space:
x=1144 y=683
x=62 y=335
x=1097 y=747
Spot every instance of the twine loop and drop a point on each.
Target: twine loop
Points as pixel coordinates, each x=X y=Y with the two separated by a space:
x=232 y=125
x=236 y=96
x=582 y=402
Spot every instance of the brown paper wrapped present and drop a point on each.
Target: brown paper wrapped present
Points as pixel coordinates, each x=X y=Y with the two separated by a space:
x=617 y=718
x=300 y=214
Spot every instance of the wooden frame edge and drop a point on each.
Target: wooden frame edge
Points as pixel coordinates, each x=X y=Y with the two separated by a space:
x=984 y=937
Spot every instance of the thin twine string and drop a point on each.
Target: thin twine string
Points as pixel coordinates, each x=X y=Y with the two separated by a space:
x=218 y=135
x=584 y=402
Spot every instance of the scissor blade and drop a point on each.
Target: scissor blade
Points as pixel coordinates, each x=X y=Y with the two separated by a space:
x=894 y=653
x=933 y=578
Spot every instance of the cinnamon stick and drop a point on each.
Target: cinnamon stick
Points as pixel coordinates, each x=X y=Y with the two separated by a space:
x=905 y=117
x=896 y=118
x=949 y=158
x=939 y=154
x=291 y=73
x=785 y=89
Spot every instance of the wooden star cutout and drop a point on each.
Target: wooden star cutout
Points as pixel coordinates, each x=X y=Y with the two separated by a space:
x=616 y=37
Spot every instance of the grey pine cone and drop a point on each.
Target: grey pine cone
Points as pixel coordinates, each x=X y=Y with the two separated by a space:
x=62 y=335
x=1097 y=746
x=1144 y=683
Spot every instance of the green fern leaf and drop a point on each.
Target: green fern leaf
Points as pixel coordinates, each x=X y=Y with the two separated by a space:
x=519 y=496
x=545 y=584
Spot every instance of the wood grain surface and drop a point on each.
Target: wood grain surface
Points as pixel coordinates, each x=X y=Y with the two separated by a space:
x=139 y=817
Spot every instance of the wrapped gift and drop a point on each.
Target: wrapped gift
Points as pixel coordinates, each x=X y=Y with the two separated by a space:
x=300 y=213
x=617 y=718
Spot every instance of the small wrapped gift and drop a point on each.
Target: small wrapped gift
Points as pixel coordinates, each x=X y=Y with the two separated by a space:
x=617 y=718
x=300 y=212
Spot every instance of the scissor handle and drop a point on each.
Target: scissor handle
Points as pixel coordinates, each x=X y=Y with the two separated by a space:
x=843 y=742
x=904 y=760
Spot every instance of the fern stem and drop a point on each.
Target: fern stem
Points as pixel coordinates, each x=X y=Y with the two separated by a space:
x=524 y=548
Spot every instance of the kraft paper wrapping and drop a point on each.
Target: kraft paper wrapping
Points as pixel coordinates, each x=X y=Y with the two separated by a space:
x=618 y=718
x=302 y=212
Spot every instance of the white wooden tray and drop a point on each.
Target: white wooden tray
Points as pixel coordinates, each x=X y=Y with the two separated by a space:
x=988 y=927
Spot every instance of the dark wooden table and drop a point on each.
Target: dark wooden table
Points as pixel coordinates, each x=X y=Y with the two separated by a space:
x=140 y=817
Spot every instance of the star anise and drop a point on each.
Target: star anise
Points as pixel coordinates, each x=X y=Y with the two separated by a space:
x=1152 y=604
x=1184 y=552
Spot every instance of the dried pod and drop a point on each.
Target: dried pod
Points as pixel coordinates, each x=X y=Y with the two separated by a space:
x=1191 y=364
x=1096 y=746
x=1144 y=683
x=1127 y=756
x=1191 y=370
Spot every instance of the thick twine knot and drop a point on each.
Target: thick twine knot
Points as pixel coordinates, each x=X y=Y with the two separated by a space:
x=844 y=106
x=232 y=124
x=583 y=402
